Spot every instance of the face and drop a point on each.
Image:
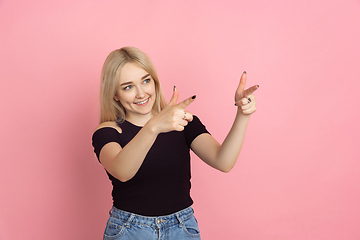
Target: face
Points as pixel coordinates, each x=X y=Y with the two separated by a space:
x=136 y=92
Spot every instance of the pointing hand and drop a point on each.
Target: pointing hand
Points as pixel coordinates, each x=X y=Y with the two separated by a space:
x=173 y=117
x=245 y=99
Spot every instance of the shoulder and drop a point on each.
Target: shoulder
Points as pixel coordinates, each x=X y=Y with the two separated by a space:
x=105 y=133
x=110 y=124
x=196 y=122
x=194 y=129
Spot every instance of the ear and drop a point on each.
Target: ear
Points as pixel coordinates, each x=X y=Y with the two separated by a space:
x=116 y=98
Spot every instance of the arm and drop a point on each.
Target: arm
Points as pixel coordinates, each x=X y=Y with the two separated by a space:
x=123 y=163
x=223 y=157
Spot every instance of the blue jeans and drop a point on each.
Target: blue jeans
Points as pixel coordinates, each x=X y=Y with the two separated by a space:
x=128 y=226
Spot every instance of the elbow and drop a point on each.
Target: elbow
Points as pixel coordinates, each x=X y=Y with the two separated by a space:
x=123 y=178
x=225 y=169
x=121 y=174
x=222 y=167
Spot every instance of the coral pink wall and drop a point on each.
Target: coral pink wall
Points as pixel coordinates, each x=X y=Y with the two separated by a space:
x=298 y=174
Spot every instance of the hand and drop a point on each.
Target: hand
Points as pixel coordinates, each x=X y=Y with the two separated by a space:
x=245 y=99
x=173 y=117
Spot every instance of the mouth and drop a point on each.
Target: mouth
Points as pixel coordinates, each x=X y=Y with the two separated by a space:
x=143 y=102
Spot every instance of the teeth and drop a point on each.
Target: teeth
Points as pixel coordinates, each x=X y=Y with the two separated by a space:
x=142 y=102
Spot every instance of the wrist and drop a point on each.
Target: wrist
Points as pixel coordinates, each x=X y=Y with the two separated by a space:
x=241 y=114
x=151 y=128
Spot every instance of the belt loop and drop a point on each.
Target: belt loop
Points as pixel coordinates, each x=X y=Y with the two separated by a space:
x=179 y=219
x=111 y=210
x=127 y=224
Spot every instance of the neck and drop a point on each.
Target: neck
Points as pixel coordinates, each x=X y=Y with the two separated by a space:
x=139 y=120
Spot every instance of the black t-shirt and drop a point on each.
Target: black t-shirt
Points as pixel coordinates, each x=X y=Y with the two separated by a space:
x=162 y=184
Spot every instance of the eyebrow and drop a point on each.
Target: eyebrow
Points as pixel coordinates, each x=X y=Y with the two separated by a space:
x=145 y=76
x=142 y=78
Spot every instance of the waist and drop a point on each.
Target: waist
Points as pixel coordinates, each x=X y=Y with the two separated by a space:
x=157 y=221
x=152 y=201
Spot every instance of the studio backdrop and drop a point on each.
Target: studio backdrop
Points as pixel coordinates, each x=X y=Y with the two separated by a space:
x=297 y=176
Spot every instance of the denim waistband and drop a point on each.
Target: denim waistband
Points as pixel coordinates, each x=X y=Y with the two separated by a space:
x=159 y=221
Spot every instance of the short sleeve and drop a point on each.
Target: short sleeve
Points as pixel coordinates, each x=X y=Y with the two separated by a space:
x=103 y=136
x=194 y=129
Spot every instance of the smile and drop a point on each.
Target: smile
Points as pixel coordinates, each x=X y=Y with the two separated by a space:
x=143 y=102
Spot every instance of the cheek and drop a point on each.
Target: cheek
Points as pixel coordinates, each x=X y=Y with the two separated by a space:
x=126 y=97
x=152 y=90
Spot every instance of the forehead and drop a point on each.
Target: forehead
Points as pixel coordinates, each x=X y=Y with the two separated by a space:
x=131 y=72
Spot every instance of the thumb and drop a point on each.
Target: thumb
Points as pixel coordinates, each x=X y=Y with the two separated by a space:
x=242 y=83
x=174 y=97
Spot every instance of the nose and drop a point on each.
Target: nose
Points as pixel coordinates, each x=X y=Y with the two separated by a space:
x=140 y=93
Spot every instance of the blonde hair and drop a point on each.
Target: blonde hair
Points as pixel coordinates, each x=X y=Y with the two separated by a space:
x=110 y=109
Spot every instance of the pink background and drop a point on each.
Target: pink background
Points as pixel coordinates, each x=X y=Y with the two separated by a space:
x=298 y=174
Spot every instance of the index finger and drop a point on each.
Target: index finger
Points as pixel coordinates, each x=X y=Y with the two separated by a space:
x=186 y=102
x=250 y=90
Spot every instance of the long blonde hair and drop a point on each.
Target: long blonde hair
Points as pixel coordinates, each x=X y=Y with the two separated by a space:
x=110 y=109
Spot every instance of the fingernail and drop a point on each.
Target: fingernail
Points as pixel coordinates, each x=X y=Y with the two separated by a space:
x=174 y=88
x=244 y=72
x=193 y=97
x=257 y=85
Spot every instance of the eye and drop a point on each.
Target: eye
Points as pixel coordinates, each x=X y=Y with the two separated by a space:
x=127 y=87
x=147 y=80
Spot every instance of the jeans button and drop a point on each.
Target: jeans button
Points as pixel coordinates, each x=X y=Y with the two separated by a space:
x=158 y=221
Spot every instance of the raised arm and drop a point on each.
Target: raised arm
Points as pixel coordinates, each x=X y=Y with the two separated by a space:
x=224 y=156
x=123 y=163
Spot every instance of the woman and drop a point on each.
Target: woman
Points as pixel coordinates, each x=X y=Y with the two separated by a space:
x=143 y=144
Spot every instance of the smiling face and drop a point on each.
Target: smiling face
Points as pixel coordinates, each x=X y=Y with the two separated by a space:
x=136 y=93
